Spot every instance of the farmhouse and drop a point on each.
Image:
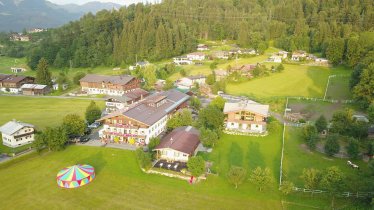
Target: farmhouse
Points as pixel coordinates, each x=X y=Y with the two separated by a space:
x=298 y=55
x=244 y=70
x=182 y=60
x=283 y=54
x=275 y=59
x=235 y=51
x=19 y=37
x=16 y=133
x=179 y=145
x=140 y=64
x=116 y=103
x=220 y=55
x=13 y=83
x=18 y=70
x=321 y=61
x=187 y=83
x=35 y=89
x=144 y=120
x=202 y=47
x=110 y=85
x=249 y=51
x=246 y=116
x=220 y=74
x=196 y=56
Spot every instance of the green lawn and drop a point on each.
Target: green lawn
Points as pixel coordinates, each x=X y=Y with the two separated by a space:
x=339 y=88
x=295 y=80
x=296 y=158
x=41 y=112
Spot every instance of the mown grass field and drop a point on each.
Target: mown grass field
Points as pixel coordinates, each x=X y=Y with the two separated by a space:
x=338 y=88
x=41 y=112
x=295 y=80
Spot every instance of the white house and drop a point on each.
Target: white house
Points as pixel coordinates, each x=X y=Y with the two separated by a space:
x=202 y=47
x=64 y=86
x=298 y=55
x=196 y=56
x=18 y=70
x=16 y=133
x=275 y=59
x=187 y=83
x=283 y=54
x=182 y=60
x=179 y=145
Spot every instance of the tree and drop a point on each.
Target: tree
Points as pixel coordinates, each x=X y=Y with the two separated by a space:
x=78 y=76
x=335 y=50
x=333 y=181
x=144 y=159
x=280 y=68
x=363 y=91
x=40 y=141
x=168 y=85
x=321 y=124
x=371 y=166
x=211 y=117
x=370 y=112
x=213 y=65
x=218 y=102
x=261 y=178
x=208 y=137
x=149 y=75
x=312 y=178
x=182 y=118
x=43 y=76
x=310 y=136
x=210 y=79
x=273 y=126
x=56 y=138
x=332 y=144
x=153 y=142
x=236 y=175
x=341 y=122
x=93 y=112
x=353 y=148
x=195 y=103
x=196 y=165
x=287 y=187
x=74 y=124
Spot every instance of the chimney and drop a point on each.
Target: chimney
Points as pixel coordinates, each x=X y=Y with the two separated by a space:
x=171 y=141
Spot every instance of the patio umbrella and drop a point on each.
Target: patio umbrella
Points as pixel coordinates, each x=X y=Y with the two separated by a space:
x=75 y=176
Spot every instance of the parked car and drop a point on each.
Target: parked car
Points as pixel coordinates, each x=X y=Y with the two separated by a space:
x=84 y=139
x=94 y=125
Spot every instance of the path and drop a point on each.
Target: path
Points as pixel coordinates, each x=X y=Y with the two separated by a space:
x=98 y=143
x=4 y=158
x=59 y=97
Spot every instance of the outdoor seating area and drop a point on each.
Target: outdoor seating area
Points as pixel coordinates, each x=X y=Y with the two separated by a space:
x=174 y=166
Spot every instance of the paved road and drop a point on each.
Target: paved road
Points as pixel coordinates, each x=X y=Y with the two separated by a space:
x=60 y=97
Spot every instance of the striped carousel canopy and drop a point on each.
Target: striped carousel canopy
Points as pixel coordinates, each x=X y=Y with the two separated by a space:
x=75 y=176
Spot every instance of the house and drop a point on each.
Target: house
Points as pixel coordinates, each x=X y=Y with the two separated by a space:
x=249 y=51
x=35 y=89
x=246 y=116
x=202 y=47
x=16 y=133
x=140 y=64
x=220 y=55
x=182 y=60
x=321 y=61
x=187 y=83
x=360 y=118
x=298 y=55
x=13 y=83
x=19 y=37
x=275 y=59
x=283 y=54
x=36 y=30
x=18 y=70
x=116 y=103
x=196 y=56
x=147 y=119
x=56 y=86
x=245 y=70
x=110 y=85
x=178 y=145
x=220 y=74
x=235 y=51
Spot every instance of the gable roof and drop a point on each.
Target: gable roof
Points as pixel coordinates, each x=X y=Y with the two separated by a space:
x=118 y=80
x=183 y=139
x=13 y=126
x=33 y=86
x=246 y=106
x=131 y=95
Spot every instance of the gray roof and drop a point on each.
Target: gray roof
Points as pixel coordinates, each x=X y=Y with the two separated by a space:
x=13 y=126
x=33 y=86
x=183 y=139
x=247 y=106
x=149 y=115
x=118 y=80
x=131 y=95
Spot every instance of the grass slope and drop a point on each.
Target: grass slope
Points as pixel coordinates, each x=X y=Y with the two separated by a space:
x=41 y=112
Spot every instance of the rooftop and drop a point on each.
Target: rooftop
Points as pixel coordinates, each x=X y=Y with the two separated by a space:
x=182 y=139
x=118 y=80
x=13 y=126
x=33 y=86
x=247 y=106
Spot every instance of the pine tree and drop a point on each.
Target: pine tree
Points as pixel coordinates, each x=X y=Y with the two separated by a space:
x=43 y=76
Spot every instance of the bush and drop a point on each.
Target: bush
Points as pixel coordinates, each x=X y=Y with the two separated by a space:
x=196 y=165
x=353 y=148
x=144 y=159
x=332 y=145
x=78 y=76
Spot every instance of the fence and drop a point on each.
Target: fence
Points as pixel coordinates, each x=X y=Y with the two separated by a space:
x=340 y=194
x=323 y=100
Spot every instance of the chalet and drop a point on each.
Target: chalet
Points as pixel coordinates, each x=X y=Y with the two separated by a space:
x=246 y=116
x=283 y=54
x=116 y=103
x=13 y=83
x=220 y=55
x=244 y=70
x=187 y=83
x=249 y=51
x=196 y=56
x=35 y=89
x=321 y=61
x=182 y=60
x=275 y=59
x=202 y=47
x=18 y=70
x=179 y=145
x=298 y=55
x=110 y=85
x=19 y=37
x=220 y=74
x=144 y=120
x=16 y=133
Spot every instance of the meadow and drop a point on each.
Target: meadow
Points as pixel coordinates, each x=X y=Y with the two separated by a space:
x=41 y=112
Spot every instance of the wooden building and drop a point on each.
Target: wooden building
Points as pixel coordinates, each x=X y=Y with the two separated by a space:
x=35 y=89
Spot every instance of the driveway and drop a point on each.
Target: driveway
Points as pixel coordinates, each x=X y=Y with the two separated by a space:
x=4 y=158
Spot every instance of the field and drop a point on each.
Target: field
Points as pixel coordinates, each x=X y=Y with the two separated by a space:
x=339 y=88
x=295 y=80
x=41 y=112
x=297 y=157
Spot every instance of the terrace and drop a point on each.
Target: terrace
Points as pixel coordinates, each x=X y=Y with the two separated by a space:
x=176 y=166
